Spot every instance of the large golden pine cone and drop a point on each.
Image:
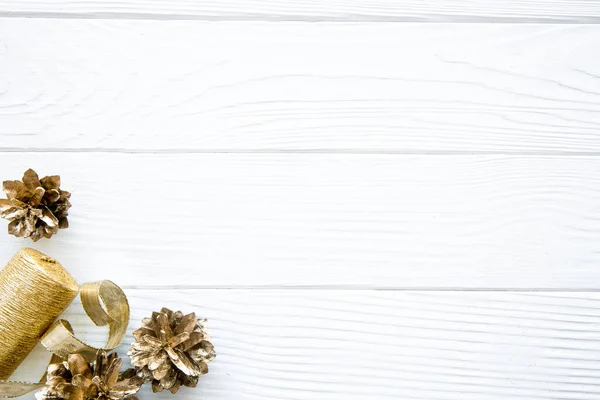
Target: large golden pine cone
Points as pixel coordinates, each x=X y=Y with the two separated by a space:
x=35 y=207
x=74 y=379
x=171 y=350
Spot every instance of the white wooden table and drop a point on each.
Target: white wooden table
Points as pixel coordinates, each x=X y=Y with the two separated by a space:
x=398 y=200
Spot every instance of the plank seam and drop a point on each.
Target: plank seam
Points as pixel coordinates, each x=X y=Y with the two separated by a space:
x=356 y=288
x=304 y=151
x=235 y=17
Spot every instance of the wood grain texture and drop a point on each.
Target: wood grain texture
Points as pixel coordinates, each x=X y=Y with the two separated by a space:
x=238 y=220
x=315 y=10
x=379 y=345
x=356 y=87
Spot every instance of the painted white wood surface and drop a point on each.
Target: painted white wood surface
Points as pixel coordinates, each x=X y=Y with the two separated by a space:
x=393 y=221
x=304 y=344
x=251 y=86
x=315 y=10
x=445 y=156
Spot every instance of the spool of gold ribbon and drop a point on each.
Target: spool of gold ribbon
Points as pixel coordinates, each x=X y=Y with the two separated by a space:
x=34 y=290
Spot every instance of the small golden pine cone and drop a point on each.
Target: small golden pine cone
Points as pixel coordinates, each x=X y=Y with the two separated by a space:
x=171 y=350
x=35 y=207
x=75 y=379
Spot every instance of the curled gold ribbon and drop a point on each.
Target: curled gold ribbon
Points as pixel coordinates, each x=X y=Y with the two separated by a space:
x=16 y=389
x=10 y=389
x=115 y=313
x=105 y=304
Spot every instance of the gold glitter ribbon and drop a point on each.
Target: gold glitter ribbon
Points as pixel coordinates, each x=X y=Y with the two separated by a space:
x=103 y=301
x=17 y=389
x=10 y=389
x=115 y=313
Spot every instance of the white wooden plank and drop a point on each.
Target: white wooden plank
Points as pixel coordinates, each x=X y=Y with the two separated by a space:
x=367 y=87
x=316 y=10
x=300 y=344
x=238 y=220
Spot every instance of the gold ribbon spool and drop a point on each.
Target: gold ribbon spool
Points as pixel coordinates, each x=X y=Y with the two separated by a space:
x=34 y=290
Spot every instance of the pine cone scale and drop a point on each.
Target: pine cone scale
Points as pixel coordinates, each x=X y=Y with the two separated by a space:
x=51 y=182
x=195 y=339
x=170 y=380
x=179 y=339
x=31 y=179
x=63 y=223
x=51 y=196
x=86 y=385
x=36 y=197
x=162 y=370
x=157 y=387
x=157 y=361
x=162 y=328
x=187 y=324
x=78 y=366
x=185 y=363
x=9 y=210
x=15 y=190
x=112 y=374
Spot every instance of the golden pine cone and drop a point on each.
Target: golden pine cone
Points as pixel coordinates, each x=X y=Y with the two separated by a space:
x=35 y=207
x=76 y=380
x=171 y=350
